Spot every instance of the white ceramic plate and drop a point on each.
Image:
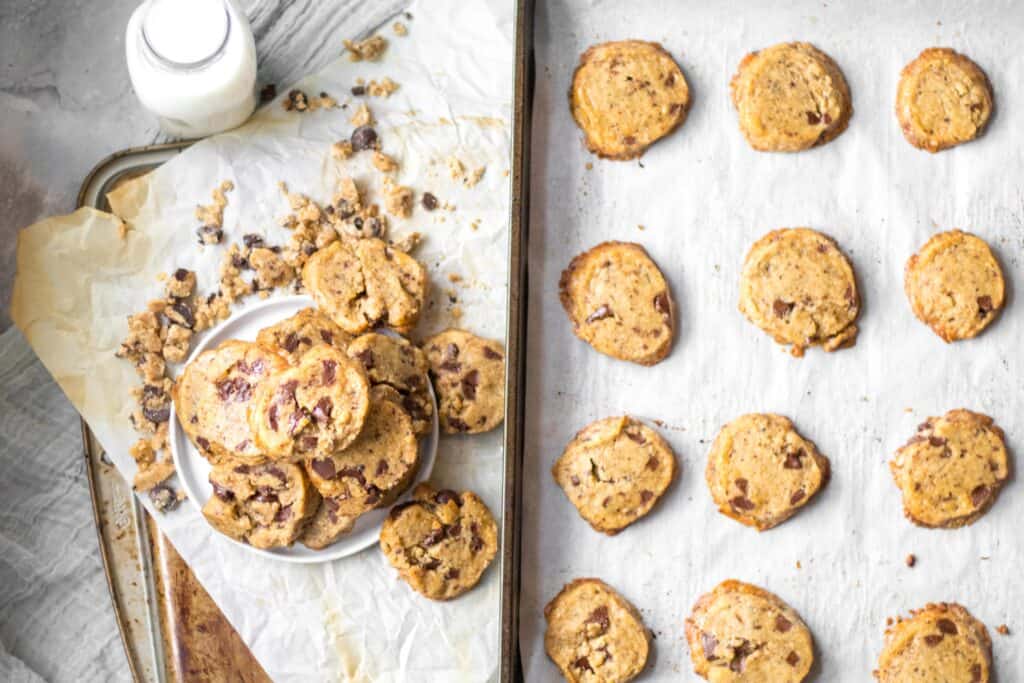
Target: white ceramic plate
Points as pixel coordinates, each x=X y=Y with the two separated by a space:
x=194 y=470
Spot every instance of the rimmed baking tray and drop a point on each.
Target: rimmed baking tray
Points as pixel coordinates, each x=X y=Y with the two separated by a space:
x=157 y=601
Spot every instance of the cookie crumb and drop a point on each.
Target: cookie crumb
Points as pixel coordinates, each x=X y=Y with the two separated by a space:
x=341 y=150
x=455 y=168
x=454 y=277
x=798 y=565
x=1003 y=630
x=362 y=117
x=475 y=225
x=122 y=229
x=911 y=560
x=398 y=199
x=299 y=101
x=268 y=93
x=429 y=201
x=589 y=166
x=211 y=216
x=369 y=49
x=384 y=163
x=641 y=228
x=400 y=29
x=474 y=177
x=383 y=88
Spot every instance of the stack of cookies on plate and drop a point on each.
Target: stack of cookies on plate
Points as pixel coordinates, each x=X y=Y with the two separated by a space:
x=318 y=420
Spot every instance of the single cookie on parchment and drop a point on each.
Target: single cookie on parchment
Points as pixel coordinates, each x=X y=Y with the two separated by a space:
x=761 y=471
x=799 y=287
x=941 y=642
x=594 y=634
x=790 y=97
x=615 y=471
x=740 y=632
x=943 y=99
x=626 y=95
x=952 y=470
x=469 y=378
x=618 y=302
x=955 y=285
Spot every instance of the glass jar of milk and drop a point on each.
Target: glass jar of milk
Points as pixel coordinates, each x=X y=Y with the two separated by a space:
x=193 y=64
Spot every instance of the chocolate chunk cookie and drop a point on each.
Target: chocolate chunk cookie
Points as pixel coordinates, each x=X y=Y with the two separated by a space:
x=594 y=634
x=614 y=471
x=362 y=284
x=296 y=335
x=739 y=632
x=943 y=99
x=955 y=285
x=312 y=409
x=440 y=541
x=327 y=525
x=626 y=95
x=469 y=378
x=619 y=303
x=266 y=506
x=374 y=468
x=213 y=395
x=790 y=97
x=941 y=642
x=761 y=471
x=395 y=362
x=798 y=286
x=951 y=471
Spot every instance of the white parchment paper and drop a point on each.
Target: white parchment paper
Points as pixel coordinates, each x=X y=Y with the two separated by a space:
x=703 y=196
x=77 y=283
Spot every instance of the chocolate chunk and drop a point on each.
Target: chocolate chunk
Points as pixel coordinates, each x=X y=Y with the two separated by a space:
x=359 y=90
x=709 y=643
x=265 y=494
x=792 y=658
x=629 y=140
x=363 y=137
x=469 y=384
x=646 y=496
x=234 y=389
x=457 y=424
x=180 y=274
x=284 y=514
x=323 y=467
x=936 y=441
x=272 y=417
x=382 y=468
x=222 y=493
x=445 y=495
x=476 y=543
x=652 y=463
x=600 y=617
x=491 y=354
x=742 y=485
x=813 y=118
x=185 y=314
x=980 y=495
x=781 y=308
x=947 y=626
x=330 y=372
x=827 y=118
x=583 y=663
x=984 y=305
x=451 y=352
x=602 y=312
x=366 y=358
x=252 y=241
x=268 y=92
x=432 y=563
x=291 y=342
x=797 y=496
x=976 y=673
x=353 y=472
x=164 y=498
x=575 y=480
x=434 y=537
x=453 y=530
x=793 y=460
x=933 y=640
x=157 y=415
x=741 y=503
x=372 y=495
x=739 y=656
x=450 y=366
x=451 y=574
x=429 y=201
x=635 y=436
x=203 y=443
x=661 y=304
x=209 y=234
x=782 y=624
x=396 y=511
x=322 y=409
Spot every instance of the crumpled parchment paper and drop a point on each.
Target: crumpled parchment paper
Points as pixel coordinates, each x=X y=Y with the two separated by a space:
x=703 y=197
x=78 y=281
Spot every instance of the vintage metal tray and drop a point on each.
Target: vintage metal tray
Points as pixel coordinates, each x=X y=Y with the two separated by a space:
x=170 y=627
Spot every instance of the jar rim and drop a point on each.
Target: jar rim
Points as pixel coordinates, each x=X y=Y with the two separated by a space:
x=197 y=64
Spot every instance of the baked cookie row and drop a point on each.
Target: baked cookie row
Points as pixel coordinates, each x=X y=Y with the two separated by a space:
x=741 y=632
x=761 y=471
x=796 y=284
x=626 y=95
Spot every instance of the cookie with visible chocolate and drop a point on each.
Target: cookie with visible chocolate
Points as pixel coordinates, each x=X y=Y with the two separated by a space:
x=266 y=506
x=311 y=409
x=469 y=378
x=626 y=95
x=615 y=471
x=327 y=525
x=618 y=302
x=740 y=632
x=761 y=471
x=955 y=285
x=790 y=97
x=213 y=395
x=397 y=363
x=374 y=468
x=943 y=99
x=364 y=283
x=441 y=542
x=940 y=642
x=952 y=470
x=296 y=335
x=799 y=287
x=594 y=634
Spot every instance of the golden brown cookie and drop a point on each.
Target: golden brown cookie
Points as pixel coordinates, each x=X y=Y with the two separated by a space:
x=311 y=409
x=266 y=506
x=441 y=542
x=213 y=394
x=790 y=97
x=469 y=378
x=619 y=303
x=395 y=362
x=943 y=99
x=362 y=284
x=373 y=469
x=955 y=285
x=799 y=287
x=951 y=471
x=615 y=471
x=328 y=524
x=594 y=635
x=739 y=632
x=295 y=335
x=761 y=471
x=626 y=95
x=941 y=642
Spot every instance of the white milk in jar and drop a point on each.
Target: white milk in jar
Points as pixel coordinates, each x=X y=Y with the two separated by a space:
x=193 y=64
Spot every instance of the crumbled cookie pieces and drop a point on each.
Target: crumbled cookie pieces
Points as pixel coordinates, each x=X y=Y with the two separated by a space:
x=398 y=199
x=299 y=101
x=211 y=216
x=369 y=49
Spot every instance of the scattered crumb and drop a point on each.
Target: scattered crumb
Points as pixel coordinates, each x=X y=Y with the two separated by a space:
x=505 y=173
x=590 y=166
x=122 y=229
x=454 y=277
x=341 y=150
x=475 y=225
x=456 y=313
x=383 y=163
x=398 y=199
x=888 y=621
x=383 y=88
x=1003 y=630
x=473 y=178
x=641 y=228
x=369 y=49
x=268 y=93
x=911 y=560
x=211 y=216
x=455 y=168
x=407 y=242
x=299 y=101
x=400 y=29
x=362 y=117
x=798 y=565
